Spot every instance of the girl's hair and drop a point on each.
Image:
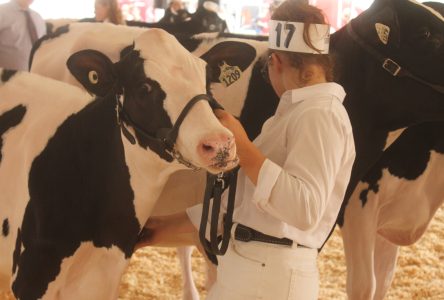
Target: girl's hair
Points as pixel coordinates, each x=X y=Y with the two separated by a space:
x=301 y=11
x=114 y=11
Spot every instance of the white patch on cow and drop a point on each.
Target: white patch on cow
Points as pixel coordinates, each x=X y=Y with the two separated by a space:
x=437 y=14
x=383 y=32
x=90 y=273
x=229 y=74
x=392 y=136
x=407 y=206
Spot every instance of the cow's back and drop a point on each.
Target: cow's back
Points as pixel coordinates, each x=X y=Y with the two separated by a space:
x=55 y=49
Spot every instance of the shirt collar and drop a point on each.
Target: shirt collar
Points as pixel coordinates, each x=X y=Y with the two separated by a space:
x=310 y=92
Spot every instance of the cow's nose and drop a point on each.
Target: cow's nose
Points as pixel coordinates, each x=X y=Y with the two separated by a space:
x=217 y=150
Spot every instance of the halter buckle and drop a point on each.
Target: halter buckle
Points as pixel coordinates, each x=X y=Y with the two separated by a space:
x=391 y=66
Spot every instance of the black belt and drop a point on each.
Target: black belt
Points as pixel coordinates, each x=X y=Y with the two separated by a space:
x=246 y=234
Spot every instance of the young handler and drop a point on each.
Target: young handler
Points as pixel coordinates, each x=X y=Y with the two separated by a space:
x=293 y=176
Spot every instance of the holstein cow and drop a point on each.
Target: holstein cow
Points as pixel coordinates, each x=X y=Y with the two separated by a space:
x=205 y=19
x=229 y=75
x=394 y=201
x=380 y=100
x=79 y=175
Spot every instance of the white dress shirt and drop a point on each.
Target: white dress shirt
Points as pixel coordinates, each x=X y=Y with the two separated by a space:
x=310 y=152
x=15 y=41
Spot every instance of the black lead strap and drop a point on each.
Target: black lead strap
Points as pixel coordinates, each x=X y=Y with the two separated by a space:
x=389 y=64
x=216 y=184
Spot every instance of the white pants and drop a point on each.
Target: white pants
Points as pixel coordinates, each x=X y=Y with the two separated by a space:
x=256 y=270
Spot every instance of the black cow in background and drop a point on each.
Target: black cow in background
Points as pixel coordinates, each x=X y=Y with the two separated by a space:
x=205 y=19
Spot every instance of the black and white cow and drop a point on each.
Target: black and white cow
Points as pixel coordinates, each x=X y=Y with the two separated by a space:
x=205 y=19
x=79 y=175
x=392 y=204
x=230 y=75
x=379 y=104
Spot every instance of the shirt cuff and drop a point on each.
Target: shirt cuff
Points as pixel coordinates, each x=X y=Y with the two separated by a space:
x=195 y=213
x=268 y=175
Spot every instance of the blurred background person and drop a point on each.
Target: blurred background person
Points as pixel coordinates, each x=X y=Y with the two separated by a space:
x=175 y=13
x=20 y=27
x=108 y=11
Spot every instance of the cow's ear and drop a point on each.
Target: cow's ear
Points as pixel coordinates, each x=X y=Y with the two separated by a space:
x=379 y=25
x=94 y=70
x=227 y=60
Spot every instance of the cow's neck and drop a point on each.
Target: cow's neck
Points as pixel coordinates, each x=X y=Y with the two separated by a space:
x=148 y=175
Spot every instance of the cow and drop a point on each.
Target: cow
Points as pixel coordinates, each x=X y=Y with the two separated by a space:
x=253 y=105
x=79 y=175
x=205 y=19
x=394 y=202
x=379 y=100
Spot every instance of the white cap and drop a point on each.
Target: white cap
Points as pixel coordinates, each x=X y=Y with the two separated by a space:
x=288 y=36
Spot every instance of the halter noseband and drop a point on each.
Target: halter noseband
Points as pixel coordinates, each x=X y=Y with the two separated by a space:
x=165 y=137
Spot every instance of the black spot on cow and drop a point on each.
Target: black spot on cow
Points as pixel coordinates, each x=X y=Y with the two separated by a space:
x=8 y=120
x=5 y=228
x=7 y=74
x=260 y=104
x=17 y=251
x=407 y=158
x=80 y=191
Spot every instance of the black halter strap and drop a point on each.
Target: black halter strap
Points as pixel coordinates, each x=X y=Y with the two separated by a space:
x=389 y=64
x=216 y=184
x=165 y=137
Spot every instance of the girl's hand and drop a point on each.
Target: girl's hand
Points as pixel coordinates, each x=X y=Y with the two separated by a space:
x=250 y=157
x=233 y=124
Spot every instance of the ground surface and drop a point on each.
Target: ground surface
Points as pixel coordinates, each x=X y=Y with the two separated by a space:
x=154 y=272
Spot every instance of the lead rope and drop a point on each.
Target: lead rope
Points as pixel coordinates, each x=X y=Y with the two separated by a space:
x=216 y=184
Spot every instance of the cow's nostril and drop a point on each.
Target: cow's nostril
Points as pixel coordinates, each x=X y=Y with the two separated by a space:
x=207 y=148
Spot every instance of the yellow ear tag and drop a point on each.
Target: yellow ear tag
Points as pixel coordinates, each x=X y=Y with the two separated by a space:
x=229 y=74
x=93 y=77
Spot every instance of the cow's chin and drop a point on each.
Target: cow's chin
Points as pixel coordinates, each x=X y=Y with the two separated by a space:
x=223 y=166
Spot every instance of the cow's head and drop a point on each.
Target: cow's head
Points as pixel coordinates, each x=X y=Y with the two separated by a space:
x=157 y=78
x=411 y=35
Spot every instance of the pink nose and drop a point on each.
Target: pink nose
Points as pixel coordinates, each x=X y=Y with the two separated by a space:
x=217 y=150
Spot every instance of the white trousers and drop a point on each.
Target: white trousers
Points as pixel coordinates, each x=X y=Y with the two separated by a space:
x=256 y=270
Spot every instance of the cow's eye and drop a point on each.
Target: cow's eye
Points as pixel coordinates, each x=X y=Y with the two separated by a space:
x=93 y=77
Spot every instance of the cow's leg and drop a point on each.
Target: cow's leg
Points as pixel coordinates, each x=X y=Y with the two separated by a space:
x=359 y=234
x=188 y=287
x=211 y=274
x=386 y=255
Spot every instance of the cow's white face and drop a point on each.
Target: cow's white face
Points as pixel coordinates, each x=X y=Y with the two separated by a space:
x=158 y=77
x=181 y=76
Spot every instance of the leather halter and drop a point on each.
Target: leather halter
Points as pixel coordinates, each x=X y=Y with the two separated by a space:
x=389 y=64
x=165 y=137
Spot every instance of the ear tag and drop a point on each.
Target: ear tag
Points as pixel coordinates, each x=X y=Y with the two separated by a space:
x=229 y=74
x=93 y=77
x=383 y=32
